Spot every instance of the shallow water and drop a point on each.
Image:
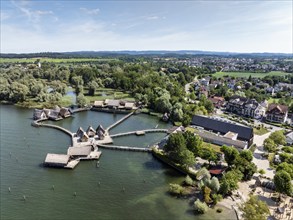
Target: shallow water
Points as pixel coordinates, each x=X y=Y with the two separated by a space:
x=99 y=191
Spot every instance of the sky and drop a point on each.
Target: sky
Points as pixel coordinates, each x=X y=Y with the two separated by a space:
x=73 y=25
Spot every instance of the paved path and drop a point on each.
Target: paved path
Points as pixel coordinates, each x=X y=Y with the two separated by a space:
x=261 y=162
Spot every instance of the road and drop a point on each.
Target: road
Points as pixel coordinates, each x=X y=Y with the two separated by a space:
x=187 y=87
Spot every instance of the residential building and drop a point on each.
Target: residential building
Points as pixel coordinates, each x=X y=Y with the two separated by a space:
x=246 y=107
x=277 y=113
x=217 y=101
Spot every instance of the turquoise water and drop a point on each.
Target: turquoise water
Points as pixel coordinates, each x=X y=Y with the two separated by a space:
x=99 y=191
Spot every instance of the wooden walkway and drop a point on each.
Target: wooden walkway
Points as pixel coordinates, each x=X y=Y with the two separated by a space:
x=136 y=132
x=126 y=148
x=120 y=121
x=80 y=110
x=38 y=124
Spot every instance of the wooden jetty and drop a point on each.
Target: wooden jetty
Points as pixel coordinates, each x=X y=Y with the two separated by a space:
x=140 y=132
x=126 y=148
x=120 y=121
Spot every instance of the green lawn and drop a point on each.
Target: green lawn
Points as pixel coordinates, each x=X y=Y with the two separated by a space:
x=273 y=100
x=51 y=60
x=106 y=93
x=217 y=148
x=260 y=131
x=247 y=74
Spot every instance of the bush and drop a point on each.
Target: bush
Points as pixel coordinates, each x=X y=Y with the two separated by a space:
x=188 y=181
x=217 y=198
x=219 y=210
x=262 y=171
x=175 y=189
x=178 y=190
x=200 y=207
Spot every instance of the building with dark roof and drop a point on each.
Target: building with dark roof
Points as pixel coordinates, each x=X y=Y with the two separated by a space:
x=222 y=127
x=246 y=107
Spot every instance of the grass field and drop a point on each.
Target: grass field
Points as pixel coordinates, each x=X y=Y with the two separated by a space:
x=273 y=100
x=247 y=74
x=106 y=93
x=51 y=60
x=260 y=131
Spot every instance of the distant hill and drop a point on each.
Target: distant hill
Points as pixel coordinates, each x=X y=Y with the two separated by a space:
x=141 y=53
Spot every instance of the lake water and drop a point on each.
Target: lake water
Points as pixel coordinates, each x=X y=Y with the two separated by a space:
x=99 y=191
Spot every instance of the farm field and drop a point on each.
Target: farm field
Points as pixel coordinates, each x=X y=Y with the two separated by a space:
x=52 y=60
x=247 y=74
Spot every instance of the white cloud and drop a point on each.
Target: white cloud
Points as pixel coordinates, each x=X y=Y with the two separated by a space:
x=32 y=15
x=38 y=12
x=91 y=11
x=154 y=17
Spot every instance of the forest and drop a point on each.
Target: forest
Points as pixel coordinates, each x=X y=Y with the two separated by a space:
x=158 y=86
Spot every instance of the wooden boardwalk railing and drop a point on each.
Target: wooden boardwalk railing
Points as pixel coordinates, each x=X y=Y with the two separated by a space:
x=120 y=121
x=134 y=132
x=114 y=147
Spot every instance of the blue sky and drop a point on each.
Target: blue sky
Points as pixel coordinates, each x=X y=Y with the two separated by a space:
x=235 y=26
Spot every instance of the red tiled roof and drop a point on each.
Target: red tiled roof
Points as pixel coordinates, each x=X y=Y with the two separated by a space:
x=216 y=171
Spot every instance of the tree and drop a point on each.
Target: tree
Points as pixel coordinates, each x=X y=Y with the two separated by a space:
x=18 y=92
x=162 y=104
x=247 y=155
x=175 y=142
x=92 y=88
x=208 y=153
x=200 y=207
x=214 y=184
x=255 y=209
x=188 y=181
x=79 y=89
x=77 y=81
x=231 y=154
x=248 y=169
x=193 y=142
x=203 y=174
x=177 y=150
x=282 y=181
x=269 y=145
x=286 y=167
x=81 y=100
x=229 y=182
x=186 y=157
x=206 y=194
x=176 y=189
x=278 y=137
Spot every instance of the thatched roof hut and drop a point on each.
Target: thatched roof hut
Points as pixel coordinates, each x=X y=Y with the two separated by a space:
x=90 y=131
x=56 y=160
x=79 y=151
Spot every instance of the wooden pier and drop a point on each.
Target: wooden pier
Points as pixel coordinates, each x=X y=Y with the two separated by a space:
x=119 y=121
x=126 y=148
x=140 y=132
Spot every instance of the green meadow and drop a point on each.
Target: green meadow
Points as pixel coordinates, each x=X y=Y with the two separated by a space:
x=247 y=74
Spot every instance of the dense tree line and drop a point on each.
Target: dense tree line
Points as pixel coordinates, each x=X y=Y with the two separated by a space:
x=157 y=85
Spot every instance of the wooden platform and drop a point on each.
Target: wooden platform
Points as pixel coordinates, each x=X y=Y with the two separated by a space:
x=72 y=164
